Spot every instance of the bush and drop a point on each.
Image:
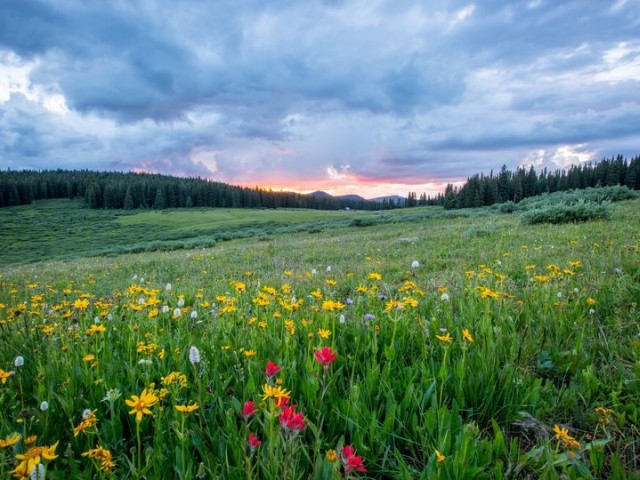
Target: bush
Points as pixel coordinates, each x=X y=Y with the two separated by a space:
x=563 y=213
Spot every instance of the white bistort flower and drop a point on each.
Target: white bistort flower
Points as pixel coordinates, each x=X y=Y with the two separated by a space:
x=415 y=264
x=19 y=361
x=194 y=355
x=44 y=406
x=194 y=315
x=444 y=297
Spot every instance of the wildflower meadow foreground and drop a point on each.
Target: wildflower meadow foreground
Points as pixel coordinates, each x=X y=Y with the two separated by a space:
x=449 y=348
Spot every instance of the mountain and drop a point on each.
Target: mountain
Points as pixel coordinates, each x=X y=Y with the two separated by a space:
x=397 y=199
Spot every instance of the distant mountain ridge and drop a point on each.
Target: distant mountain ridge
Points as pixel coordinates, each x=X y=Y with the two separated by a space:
x=396 y=199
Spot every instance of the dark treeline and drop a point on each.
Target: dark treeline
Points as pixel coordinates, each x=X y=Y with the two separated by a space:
x=113 y=190
x=507 y=186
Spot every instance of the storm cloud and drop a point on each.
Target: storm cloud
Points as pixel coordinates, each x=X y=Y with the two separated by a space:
x=352 y=96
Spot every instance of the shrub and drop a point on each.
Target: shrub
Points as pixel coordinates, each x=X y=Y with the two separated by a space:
x=564 y=213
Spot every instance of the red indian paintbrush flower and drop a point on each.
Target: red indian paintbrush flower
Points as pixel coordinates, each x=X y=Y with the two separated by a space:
x=326 y=356
x=253 y=441
x=248 y=410
x=291 y=421
x=271 y=370
x=351 y=461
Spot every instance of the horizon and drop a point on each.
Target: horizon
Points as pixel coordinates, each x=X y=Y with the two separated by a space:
x=342 y=96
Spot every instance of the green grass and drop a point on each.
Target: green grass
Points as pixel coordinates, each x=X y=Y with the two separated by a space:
x=552 y=309
x=64 y=229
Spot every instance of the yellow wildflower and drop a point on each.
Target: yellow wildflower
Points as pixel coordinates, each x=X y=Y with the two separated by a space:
x=187 y=408
x=10 y=440
x=440 y=458
x=103 y=456
x=4 y=375
x=140 y=405
x=331 y=455
x=467 y=335
x=95 y=328
x=323 y=333
x=446 y=338
x=274 y=392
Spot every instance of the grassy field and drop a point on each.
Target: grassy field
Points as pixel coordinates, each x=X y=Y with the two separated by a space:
x=64 y=229
x=466 y=347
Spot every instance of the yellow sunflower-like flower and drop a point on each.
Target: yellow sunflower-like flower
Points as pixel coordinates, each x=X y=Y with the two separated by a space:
x=140 y=404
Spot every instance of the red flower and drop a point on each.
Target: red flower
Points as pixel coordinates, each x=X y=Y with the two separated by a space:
x=282 y=402
x=351 y=461
x=253 y=441
x=292 y=421
x=271 y=370
x=248 y=410
x=326 y=356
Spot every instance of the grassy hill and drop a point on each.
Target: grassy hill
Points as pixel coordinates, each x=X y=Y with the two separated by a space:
x=469 y=344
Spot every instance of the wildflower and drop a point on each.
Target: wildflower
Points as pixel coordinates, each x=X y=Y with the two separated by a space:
x=342 y=319
x=140 y=405
x=375 y=276
x=291 y=421
x=444 y=297
x=32 y=457
x=323 y=333
x=446 y=338
x=180 y=302
x=248 y=410
x=440 y=458
x=350 y=460
x=103 y=456
x=81 y=304
x=591 y=301
x=38 y=472
x=274 y=392
x=187 y=408
x=194 y=355
x=95 y=329
x=368 y=316
x=415 y=264
x=10 y=440
x=177 y=312
x=331 y=455
x=4 y=375
x=193 y=315
x=44 y=406
x=165 y=309
x=249 y=353
x=605 y=414
x=325 y=356
x=271 y=369
x=19 y=361
x=562 y=434
x=30 y=439
x=168 y=287
x=254 y=442
x=330 y=305
x=467 y=335
x=89 y=419
x=89 y=357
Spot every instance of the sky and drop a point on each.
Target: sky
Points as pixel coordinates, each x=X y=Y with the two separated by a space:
x=369 y=97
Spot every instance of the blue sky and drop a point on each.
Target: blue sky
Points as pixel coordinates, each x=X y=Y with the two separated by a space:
x=363 y=96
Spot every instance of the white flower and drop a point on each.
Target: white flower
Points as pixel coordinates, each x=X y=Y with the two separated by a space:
x=86 y=412
x=194 y=355
x=328 y=268
x=165 y=309
x=194 y=315
x=109 y=317
x=38 y=472
x=134 y=278
x=576 y=290
x=591 y=311
x=145 y=361
x=559 y=295
x=444 y=297
x=168 y=287
x=141 y=301
x=415 y=264
x=19 y=361
x=313 y=271
x=141 y=279
x=44 y=406
x=177 y=312
x=342 y=319
x=181 y=302
x=96 y=320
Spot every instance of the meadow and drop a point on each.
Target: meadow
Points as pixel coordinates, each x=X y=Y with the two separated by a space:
x=406 y=344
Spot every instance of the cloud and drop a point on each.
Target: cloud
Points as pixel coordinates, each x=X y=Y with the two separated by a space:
x=290 y=93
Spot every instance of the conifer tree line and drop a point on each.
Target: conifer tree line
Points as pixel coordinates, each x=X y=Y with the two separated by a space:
x=508 y=186
x=114 y=190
